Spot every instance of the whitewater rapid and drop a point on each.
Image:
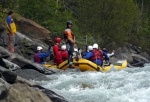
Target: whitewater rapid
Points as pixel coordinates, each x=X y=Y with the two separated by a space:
x=128 y=85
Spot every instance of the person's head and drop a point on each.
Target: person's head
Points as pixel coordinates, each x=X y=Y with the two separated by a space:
x=90 y=48
x=63 y=47
x=58 y=40
x=105 y=50
x=69 y=24
x=75 y=50
x=95 y=46
x=10 y=13
x=39 y=48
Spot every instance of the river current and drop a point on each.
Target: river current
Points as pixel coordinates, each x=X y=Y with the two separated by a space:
x=127 y=85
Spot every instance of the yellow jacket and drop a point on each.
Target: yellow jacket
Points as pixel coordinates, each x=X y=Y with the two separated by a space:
x=12 y=28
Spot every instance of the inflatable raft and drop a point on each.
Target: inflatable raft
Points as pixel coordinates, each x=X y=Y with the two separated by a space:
x=85 y=65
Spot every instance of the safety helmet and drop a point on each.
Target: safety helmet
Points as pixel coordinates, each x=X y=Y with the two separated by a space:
x=95 y=46
x=75 y=49
x=69 y=23
x=105 y=50
x=57 y=40
x=39 y=48
x=63 y=47
x=90 y=48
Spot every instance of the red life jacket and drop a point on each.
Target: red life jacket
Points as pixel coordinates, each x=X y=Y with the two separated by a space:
x=56 y=49
x=37 y=59
x=64 y=55
x=97 y=54
x=58 y=58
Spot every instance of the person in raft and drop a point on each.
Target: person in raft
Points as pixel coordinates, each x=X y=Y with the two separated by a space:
x=57 y=52
x=96 y=55
x=39 y=56
x=64 y=53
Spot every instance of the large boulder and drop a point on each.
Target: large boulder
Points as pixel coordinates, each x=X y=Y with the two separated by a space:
x=140 y=58
x=144 y=54
x=4 y=87
x=30 y=28
x=21 y=92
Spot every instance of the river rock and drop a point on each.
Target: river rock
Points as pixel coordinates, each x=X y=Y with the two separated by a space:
x=52 y=95
x=3 y=64
x=144 y=54
x=4 y=53
x=140 y=58
x=32 y=74
x=124 y=56
x=4 y=87
x=21 y=92
x=30 y=28
x=11 y=65
x=2 y=27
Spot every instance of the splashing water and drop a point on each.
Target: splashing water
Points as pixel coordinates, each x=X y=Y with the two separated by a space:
x=128 y=85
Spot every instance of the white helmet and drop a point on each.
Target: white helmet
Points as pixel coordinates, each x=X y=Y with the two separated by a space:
x=95 y=46
x=39 y=48
x=75 y=49
x=90 y=48
x=63 y=47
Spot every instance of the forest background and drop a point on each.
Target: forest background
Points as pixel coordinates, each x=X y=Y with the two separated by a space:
x=110 y=23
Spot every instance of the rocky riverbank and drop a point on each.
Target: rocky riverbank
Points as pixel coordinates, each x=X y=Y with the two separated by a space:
x=18 y=70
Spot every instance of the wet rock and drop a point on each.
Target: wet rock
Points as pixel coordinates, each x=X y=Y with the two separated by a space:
x=3 y=64
x=52 y=95
x=26 y=64
x=113 y=60
x=144 y=54
x=126 y=56
x=11 y=65
x=140 y=58
x=4 y=53
x=32 y=74
x=23 y=90
x=139 y=64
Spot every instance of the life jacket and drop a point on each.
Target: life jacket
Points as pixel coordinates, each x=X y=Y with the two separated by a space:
x=56 y=49
x=64 y=55
x=58 y=58
x=68 y=33
x=12 y=25
x=37 y=59
x=97 y=55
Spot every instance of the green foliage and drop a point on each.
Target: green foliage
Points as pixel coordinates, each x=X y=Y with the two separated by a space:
x=110 y=23
x=2 y=15
x=49 y=13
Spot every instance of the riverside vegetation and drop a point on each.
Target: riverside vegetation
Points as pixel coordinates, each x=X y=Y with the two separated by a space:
x=112 y=23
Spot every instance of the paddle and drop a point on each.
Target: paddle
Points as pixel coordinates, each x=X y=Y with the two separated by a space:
x=86 y=46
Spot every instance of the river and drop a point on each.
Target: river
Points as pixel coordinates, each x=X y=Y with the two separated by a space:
x=127 y=85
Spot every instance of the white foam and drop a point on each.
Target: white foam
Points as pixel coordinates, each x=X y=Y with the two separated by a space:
x=129 y=85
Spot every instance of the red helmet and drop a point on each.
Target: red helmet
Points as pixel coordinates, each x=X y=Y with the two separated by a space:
x=57 y=40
